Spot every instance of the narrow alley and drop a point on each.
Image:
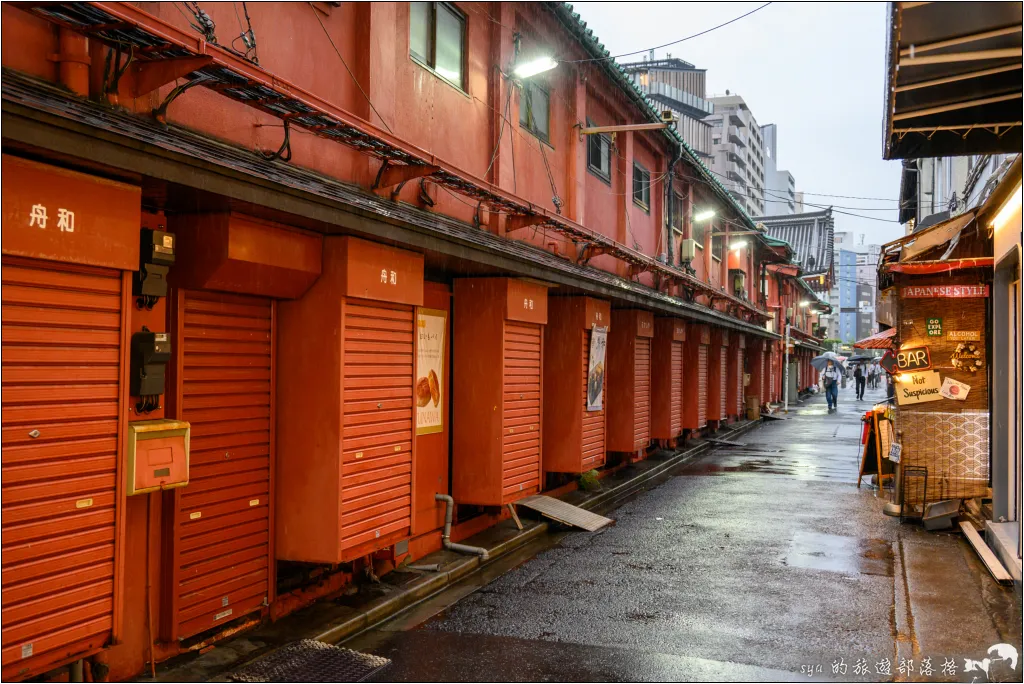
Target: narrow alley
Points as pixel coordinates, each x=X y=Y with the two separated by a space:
x=755 y=563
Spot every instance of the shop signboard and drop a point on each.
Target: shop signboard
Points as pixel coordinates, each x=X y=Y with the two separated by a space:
x=944 y=291
x=918 y=388
x=913 y=359
x=934 y=327
x=954 y=389
x=963 y=335
x=430 y=329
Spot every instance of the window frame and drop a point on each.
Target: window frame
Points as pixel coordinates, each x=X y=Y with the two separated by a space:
x=645 y=187
x=721 y=247
x=430 y=62
x=526 y=92
x=594 y=170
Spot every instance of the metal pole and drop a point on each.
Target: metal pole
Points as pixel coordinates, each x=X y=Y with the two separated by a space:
x=785 y=373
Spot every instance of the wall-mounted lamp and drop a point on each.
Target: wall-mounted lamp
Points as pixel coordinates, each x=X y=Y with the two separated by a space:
x=534 y=67
x=738 y=245
x=704 y=215
x=805 y=303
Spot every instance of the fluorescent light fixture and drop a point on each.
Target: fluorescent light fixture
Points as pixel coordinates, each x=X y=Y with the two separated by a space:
x=738 y=245
x=1009 y=208
x=704 y=215
x=805 y=303
x=534 y=67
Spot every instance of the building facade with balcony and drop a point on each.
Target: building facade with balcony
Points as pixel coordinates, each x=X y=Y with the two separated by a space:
x=779 y=184
x=739 y=152
x=679 y=87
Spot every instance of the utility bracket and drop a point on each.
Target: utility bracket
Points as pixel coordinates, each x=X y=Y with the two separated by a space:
x=390 y=175
x=520 y=221
x=145 y=77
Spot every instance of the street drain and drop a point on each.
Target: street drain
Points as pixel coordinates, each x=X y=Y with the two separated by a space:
x=311 y=661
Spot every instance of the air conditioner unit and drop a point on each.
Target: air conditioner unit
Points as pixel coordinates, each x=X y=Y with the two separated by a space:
x=789 y=313
x=688 y=249
x=739 y=281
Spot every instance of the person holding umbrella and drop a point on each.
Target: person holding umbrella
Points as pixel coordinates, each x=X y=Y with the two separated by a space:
x=858 y=375
x=831 y=368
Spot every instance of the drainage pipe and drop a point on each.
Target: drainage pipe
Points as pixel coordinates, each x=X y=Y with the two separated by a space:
x=446 y=536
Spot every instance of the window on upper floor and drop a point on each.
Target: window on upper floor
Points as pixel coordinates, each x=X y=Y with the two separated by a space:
x=642 y=187
x=678 y=207
x=717 y=246
x=437 y=39
x=697 y=233
x=599 y=155
x=534 y=110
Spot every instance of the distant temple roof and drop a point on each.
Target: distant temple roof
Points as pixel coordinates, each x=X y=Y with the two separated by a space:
x=810 y=235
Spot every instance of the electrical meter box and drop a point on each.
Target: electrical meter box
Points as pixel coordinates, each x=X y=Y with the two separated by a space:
x=150 y=353
x=157 y=456
x=156 y=256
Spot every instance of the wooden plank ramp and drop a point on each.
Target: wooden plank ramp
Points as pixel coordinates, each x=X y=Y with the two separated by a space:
x=999 y=573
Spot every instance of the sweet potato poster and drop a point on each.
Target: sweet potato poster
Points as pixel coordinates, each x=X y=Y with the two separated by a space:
x=430 y=329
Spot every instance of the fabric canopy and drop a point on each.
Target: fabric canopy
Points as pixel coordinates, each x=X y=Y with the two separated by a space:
x=880 y=340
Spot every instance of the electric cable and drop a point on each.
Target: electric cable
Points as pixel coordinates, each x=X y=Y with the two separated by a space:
x=674 y=42
x=354 y=79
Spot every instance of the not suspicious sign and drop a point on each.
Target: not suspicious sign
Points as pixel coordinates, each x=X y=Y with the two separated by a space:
x=918 y=388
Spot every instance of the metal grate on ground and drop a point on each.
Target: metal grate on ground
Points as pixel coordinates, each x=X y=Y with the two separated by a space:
x=311 y=661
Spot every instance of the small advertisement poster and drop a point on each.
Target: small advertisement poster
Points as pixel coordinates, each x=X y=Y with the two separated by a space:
x=430 y=329
x=917 y=388
x=595 y=372
x=954 y=389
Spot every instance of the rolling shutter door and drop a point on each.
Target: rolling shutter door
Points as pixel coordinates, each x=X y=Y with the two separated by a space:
x=676 y=415
x=739 y=382
x=702 y=383
x=642 y=407
x=593 y=440
x=723 y=377
x=521 y=419
x=62 y=373
x=376 y=476
x=223 y=521
x=765 y=371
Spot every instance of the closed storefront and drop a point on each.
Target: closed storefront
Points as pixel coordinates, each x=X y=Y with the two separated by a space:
x=695 y=377
x=346 y=412
x=667 y=378
x=718 y=375
x=629 y=380
x=575 y=391
x=736 y=352
x=222 y=523
x=497 y=389
x=69 y=240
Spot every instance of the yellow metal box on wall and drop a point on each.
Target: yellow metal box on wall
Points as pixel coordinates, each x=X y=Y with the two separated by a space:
x=157 y=455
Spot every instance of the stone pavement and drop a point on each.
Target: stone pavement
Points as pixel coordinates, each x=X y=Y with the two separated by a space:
x=756 y=563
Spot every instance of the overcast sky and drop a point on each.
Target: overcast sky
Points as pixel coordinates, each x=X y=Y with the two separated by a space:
x=817 y=70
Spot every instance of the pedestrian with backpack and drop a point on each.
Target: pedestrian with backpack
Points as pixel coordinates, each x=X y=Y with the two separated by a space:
x=830 y=378
x=858 y=375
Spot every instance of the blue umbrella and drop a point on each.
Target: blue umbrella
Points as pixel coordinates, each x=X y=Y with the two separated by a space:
x=820 y=362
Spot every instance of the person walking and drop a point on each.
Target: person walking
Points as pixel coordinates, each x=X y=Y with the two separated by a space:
x=830 y=378
x=858 y=375
x=872 y=377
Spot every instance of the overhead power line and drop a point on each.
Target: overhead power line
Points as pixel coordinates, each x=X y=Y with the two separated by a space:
x=674 y=42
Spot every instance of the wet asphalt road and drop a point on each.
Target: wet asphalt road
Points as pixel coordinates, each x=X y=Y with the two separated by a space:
x=751 y=564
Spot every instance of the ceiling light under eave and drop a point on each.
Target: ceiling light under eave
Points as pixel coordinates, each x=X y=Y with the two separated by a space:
x=738 y=245
x=704 y=215
x=534 y=67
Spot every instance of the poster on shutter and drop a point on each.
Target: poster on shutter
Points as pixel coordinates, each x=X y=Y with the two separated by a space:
x=430 y=330
x=595 y=372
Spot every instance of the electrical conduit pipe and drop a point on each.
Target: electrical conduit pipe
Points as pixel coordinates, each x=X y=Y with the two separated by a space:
x=446 y=536
x=73 y=61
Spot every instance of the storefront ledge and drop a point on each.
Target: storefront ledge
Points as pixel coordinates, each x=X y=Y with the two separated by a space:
x=1003 y=538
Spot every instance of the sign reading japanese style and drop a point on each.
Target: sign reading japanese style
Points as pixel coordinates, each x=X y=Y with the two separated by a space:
x=934 y=327
x=914 y=359
x=62 y=215
x=954 y=389
x=918 y=388
x=947 y=291
x=430 y=329
x=595 y=369
x=963 y=335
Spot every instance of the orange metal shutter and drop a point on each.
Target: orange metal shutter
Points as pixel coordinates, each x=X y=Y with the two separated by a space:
x=376 y=475
x=223 y=519
x=740 y=371
x=593 y=421
x=521 y=419
x=642 y=407
x=765 y=371
x=723 y=376
x=702 y=376
x=676 y=416
x=62 y=387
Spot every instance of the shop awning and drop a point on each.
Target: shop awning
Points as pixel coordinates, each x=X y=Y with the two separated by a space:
x=880 y=340
x=953 y=79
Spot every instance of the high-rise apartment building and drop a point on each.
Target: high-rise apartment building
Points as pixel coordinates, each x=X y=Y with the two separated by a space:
x=779 y=184
x=678 y=86
x=738 y=152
